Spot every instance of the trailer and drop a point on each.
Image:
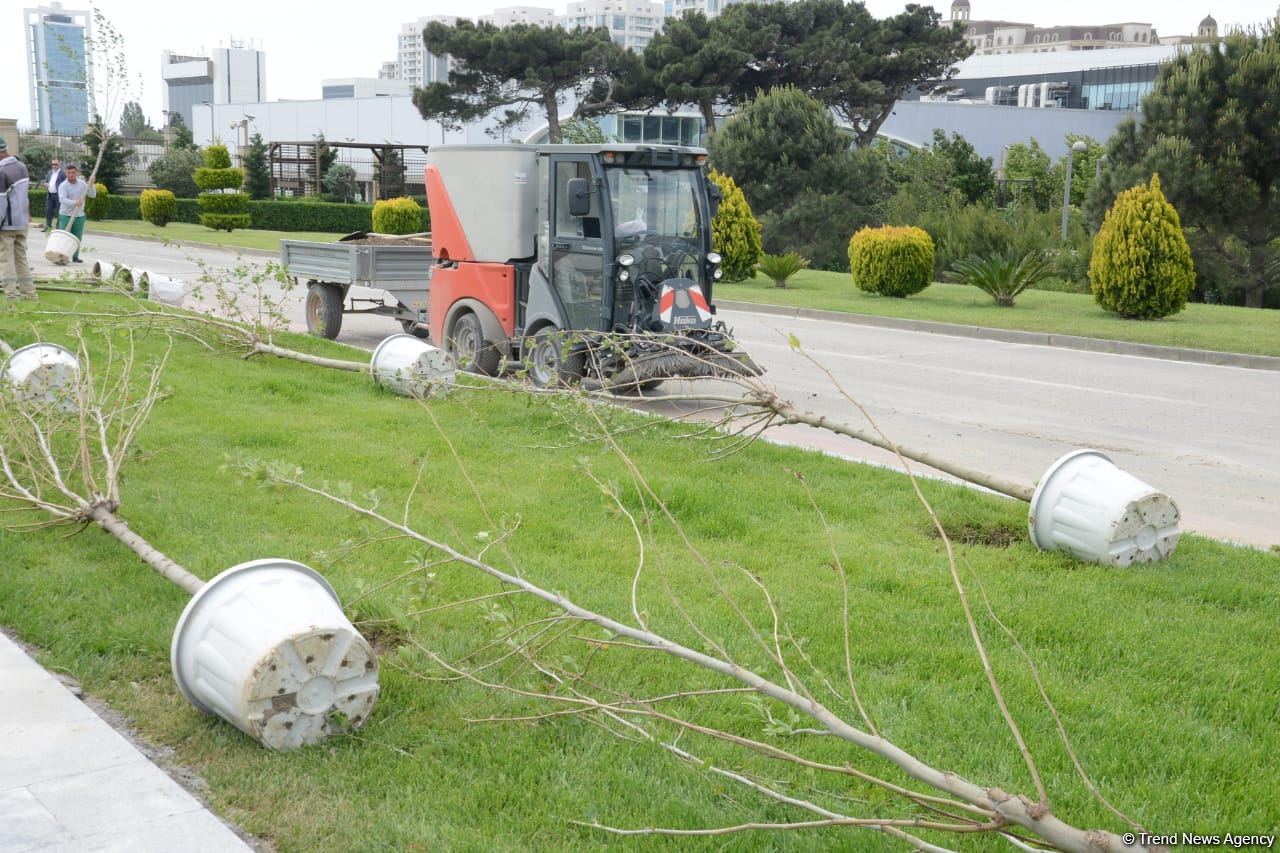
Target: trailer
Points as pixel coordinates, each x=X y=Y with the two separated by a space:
x=401 y=266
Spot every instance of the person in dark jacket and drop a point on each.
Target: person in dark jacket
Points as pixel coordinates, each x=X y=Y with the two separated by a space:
x=15 y=215
x=52 y=181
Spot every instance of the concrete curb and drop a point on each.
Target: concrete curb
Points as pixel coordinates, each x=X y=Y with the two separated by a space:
x=1011 y=336
x=264 y=253
x=69 y=781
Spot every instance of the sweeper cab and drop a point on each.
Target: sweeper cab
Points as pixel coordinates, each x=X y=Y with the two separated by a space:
x=577 y=261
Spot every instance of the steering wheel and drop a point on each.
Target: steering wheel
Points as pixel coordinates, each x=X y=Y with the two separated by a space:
x=638 y=237
x=675 y=261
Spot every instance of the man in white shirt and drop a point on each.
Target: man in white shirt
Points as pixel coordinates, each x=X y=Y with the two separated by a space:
x=52 y=181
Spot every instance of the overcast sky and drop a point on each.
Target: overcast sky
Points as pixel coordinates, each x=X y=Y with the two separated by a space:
x=307 y=42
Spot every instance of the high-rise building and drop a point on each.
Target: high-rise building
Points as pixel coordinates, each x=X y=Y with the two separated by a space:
x=389 y=71
x=239 y=75
x=229 y=75
x=506 y=16
x=710 y=8
x=413 y=61
x=58 y=68
x=632 y=23
x=187 y=81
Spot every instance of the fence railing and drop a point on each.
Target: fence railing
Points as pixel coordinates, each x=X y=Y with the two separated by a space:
x=380 y=170
x=72 y=149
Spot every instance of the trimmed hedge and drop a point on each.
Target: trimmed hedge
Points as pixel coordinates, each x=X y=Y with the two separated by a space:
x=891 y=261
x=99 y=206
x=396 y=216
x=264 y=215
x=158 y=206
x=311 y=216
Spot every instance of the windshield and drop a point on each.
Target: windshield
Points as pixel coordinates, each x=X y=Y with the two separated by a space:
x=657 y=218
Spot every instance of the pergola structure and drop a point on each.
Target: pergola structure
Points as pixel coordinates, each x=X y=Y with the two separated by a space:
x=297 y=168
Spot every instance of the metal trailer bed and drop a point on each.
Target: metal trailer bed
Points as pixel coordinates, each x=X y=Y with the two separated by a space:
x=330 y=270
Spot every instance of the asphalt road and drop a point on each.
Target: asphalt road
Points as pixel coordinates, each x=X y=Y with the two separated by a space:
x=1204 y=434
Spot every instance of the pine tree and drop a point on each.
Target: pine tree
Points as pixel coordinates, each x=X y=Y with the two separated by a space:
x=1211 y=129
x=257 y=178
x=735 y=233
x=1141 y=265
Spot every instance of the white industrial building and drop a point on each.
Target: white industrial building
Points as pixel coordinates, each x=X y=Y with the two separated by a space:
x=228 y=75
x=364 y=87
x=392 y=119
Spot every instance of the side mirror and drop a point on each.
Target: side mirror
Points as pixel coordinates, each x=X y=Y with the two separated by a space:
x=715 y=196
x=579 y=196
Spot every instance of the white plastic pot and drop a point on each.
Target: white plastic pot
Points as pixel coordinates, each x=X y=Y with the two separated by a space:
x=104 y=270
x=1091 y=508
x=265 y=645
x=166 y=290
x=44 y=374
x=140 y=279
x=410 y=366
x=60 y=247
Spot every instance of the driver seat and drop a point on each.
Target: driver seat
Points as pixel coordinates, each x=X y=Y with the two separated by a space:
x=651 y=262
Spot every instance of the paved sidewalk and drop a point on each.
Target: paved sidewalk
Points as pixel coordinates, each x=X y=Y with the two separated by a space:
x=70 y=782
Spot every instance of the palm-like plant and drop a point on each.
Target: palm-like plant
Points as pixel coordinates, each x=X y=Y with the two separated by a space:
x=1004 y=275
x=782 y=267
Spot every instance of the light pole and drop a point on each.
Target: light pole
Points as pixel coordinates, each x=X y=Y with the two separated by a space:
x=1077 y=147
x=1002 y=182
x=1097 y=169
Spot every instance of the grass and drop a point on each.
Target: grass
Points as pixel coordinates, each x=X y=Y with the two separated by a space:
x=1167 y=677
x=186 y=232
x=1213 y=327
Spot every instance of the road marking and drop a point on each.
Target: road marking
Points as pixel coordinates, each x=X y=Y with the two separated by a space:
x=933 y=368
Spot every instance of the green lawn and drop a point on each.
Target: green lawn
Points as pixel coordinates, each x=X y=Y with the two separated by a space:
x=186 y=232
x=1213 y=327
x=1167 y=677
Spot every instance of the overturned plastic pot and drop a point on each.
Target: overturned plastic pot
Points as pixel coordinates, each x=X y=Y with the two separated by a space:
x=168 y=291
x=265 y=645
x=1091 y=508
x=411 y=366
x=43 y=374
x=60 y=247
x=104 y=270
x=139 y=279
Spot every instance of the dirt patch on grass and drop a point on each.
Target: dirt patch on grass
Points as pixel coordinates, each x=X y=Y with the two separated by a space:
x=385 y=637
x=973 y=533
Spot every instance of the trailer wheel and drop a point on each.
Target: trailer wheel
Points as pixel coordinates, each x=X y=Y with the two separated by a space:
x=549 y=364
x=411 y=327
x=324 y=309
x=469 y=348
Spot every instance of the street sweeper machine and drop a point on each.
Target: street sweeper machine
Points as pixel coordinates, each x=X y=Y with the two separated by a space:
x=577 y=261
